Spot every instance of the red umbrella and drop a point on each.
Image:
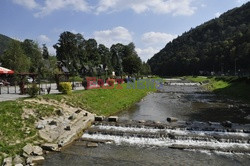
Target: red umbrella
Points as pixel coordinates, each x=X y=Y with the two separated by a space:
x=6 y=71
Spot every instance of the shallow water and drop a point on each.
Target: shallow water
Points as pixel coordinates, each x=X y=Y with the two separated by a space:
x=188 y=103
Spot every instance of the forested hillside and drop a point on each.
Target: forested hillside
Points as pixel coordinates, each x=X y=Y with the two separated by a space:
x=221 y=45
x=4 y=43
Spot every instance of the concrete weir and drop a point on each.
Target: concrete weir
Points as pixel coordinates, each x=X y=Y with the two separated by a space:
x=178 y=135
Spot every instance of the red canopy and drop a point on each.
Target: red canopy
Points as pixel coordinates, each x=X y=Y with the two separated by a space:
x=6 y=71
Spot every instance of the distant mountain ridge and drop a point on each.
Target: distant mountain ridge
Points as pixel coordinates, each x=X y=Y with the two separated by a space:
x=4 y=43
x=221 y=45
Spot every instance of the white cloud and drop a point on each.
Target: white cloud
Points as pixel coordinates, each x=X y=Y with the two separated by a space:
x=51 y=50
x=43 y=39
x=112 y=36
x=217 y=14
x=157 y=38
x=53 y=5
x=242 y=1
x=176 y=7
x=30 y=4
x=147 y=53
x=153 y=42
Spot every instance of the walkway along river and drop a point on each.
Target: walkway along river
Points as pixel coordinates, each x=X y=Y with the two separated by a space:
x=156 y=142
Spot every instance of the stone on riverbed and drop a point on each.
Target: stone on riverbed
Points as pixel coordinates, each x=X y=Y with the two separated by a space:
x=18 y=160
x=172 y=119
x=50 y=147
x=28 y=149
x=40 y=126
x=113 y=119
x=99 y=118
x=72 y=117
x=34 y=160
x=37 y=151
x=227 y=124
x=7 y=161
x=92 y=145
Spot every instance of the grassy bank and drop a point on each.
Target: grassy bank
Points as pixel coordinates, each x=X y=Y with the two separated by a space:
x=234 y=87
x=17 y=130
x=103 y=101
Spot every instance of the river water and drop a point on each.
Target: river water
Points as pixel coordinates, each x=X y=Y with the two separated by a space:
x=187 y=103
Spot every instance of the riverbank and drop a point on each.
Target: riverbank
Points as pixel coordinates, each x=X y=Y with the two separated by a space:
x=19 y=119
x=233 y=87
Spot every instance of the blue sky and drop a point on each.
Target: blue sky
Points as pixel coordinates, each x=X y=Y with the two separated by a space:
x=150 y=24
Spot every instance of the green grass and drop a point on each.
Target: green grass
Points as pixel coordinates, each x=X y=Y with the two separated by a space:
x=103 y=101
x=231 y=86
x=13 y=129
x=16 y=131
x=196 y=79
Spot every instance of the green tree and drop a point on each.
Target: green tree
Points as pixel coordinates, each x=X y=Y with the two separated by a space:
x=67 y=51
x=45 y=52
x=15 y=59
x=32 y=50
x=105 y=56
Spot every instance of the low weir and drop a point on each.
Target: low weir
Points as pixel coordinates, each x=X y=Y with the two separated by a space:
x=224 y=137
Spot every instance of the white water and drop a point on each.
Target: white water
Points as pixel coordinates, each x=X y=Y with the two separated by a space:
x=174 y=131
x=222 y=145
x=166 y=142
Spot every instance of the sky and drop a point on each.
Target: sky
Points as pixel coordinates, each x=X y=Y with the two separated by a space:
x=149 y=24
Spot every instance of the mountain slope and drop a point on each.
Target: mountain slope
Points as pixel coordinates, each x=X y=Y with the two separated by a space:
x=4 y=43
x=221 y=45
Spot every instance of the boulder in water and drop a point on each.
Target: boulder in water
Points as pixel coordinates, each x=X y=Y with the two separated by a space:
x=99 y=118
x=172 y=119
x=113 y=119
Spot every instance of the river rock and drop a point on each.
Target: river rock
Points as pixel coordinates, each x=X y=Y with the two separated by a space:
x=40 y=126
x=141 y=121
x=78 y=111
x=19 y=164
x=28 y=149
x=99 y=118
x=34 y=160
x=227 y=124
x=7 y=161
x=172 y=119
x=37 y=151
x=72 y=117
x=85 y=114
x=50 y=147
x=92 y=145
x=247 y=117
x=113 y=118
x=67 y=128
x=53 y=123
x=59 y=112
x=18 y=160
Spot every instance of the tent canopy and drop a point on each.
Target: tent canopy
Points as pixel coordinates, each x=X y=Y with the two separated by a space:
x=6 y=71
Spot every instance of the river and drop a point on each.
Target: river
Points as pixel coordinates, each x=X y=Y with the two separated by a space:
x=187 y=103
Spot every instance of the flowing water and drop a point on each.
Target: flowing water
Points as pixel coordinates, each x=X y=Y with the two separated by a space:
x=139 y=143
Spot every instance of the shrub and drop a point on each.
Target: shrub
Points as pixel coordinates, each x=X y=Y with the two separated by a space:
x=125 y=80
x=65 y=87
x=110 y=82
x=100 y=82
x=119 y=81
x=33 y=90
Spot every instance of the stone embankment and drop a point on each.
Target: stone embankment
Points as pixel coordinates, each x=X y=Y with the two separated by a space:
x=56 y=132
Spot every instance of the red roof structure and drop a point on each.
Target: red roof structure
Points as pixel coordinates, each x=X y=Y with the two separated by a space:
x=6 y=71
